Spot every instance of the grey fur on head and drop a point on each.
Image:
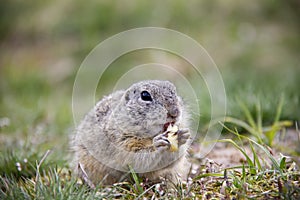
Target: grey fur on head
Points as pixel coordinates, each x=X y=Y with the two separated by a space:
x=146 y=118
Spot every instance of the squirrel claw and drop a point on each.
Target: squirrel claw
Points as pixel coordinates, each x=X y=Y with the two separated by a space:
x=161 y=142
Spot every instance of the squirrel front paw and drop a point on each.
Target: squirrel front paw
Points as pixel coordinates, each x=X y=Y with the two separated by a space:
x=183 y=136
x=161 y=142
x=166 y=142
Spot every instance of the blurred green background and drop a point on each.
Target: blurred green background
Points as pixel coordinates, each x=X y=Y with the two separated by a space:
x=255 y=44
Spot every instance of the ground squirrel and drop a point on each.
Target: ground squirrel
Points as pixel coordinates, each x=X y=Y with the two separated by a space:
x=127 y=128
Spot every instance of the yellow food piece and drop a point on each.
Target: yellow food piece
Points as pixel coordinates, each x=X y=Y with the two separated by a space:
x=173 y=137
x=172 y=129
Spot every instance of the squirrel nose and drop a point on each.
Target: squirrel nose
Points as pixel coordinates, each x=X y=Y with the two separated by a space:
x=173 y=112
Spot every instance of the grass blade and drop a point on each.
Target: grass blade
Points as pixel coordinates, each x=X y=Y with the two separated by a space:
x=255 y=157
x=279 y=109
x=247 y=113
x=273 y=160
x=245 y=126
x=136 y=180
x=208 y=175
x=249 y=161
x=259 y=118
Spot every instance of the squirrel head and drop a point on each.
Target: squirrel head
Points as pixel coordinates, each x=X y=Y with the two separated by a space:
x=148 y=107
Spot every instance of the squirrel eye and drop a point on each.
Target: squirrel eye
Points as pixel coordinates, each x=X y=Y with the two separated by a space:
x=146 y=96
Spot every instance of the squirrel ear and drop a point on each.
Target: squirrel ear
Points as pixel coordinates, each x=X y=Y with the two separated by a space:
x=127 y=98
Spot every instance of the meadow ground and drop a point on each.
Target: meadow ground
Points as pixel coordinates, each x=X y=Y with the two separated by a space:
x=263 y=162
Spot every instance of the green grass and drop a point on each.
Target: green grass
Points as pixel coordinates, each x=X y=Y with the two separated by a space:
x=264 y=135
x=253 y=180
x=250 y=180
x=28 y=171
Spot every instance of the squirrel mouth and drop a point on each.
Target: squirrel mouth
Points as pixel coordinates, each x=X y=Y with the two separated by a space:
x=166 y=125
